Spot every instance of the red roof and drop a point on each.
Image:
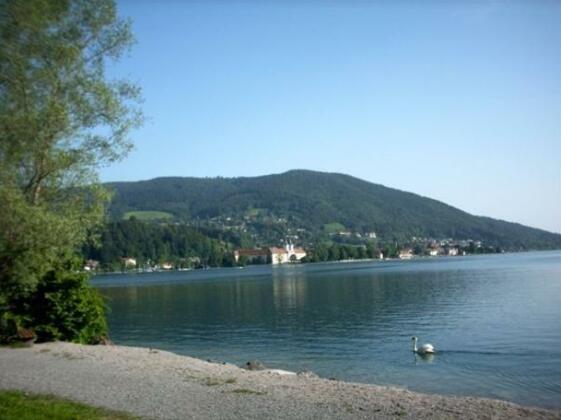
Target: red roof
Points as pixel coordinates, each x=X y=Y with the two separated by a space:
x=275 y=250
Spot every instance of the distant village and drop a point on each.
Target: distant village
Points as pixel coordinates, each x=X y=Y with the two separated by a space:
x=445 y=247
x=291 y=254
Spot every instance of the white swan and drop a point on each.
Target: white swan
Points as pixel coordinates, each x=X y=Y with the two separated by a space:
x=424 y=349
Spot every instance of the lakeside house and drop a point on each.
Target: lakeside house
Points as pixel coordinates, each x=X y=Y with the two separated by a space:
x=129 y=262
x=91 y=265
x=166 y=265
x=452 y=252
x=406 y=254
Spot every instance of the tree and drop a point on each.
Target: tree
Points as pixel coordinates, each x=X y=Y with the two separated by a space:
x=361 y=252
x=334 y=253
x=320 y=253
x=419 y=249
x=60 y=119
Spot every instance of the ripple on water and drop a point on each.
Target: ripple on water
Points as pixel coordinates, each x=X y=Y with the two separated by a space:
x=494 y=320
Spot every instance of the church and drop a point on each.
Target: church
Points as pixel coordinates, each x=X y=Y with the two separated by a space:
x=288 y=254
x=274 y=255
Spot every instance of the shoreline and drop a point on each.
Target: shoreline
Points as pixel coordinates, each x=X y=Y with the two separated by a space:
x=159 y=384
x=101 y=273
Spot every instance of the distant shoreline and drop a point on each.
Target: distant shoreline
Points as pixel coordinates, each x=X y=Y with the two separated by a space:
x=347 y=261
x=160 y=384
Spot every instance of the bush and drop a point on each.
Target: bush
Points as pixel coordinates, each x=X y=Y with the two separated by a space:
x=63 y=307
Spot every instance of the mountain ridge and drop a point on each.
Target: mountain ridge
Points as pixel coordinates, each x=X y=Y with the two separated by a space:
x=310 y=200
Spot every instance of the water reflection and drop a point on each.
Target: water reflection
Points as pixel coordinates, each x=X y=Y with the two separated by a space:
x=423 y=358
x=289 y=289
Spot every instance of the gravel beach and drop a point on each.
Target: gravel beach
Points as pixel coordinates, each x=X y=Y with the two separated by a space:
x=158 y=384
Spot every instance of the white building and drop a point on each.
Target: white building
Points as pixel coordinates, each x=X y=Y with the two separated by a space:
x=288 y=254
x=129 y=261
x=91 y=265
x=167 y=266
x=406 y=254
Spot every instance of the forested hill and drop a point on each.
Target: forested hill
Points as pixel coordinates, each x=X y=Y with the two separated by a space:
x=314 y=202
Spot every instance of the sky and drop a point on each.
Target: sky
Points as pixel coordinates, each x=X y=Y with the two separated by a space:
x=459 y=101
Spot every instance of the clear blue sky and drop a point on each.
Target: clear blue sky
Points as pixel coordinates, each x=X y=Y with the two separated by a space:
x=456 y=100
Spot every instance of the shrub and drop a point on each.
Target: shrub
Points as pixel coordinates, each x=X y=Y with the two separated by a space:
x=64 y=307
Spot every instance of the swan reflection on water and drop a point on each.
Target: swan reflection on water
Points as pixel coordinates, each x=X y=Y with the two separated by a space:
x=423 y=358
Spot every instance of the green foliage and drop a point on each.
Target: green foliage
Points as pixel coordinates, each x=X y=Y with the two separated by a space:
x=316 y=201
x=333 y=228
x=36 y=237
x=335 y=252
x=58 y=113
x=148 y=215
x=254 y=212
x=16 y=405
x=66 y=308
x=63 y=307
x=157 y=243
x=390 y=251
x=60 y=118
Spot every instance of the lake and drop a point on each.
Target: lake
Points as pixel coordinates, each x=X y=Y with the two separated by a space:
x=495 y=320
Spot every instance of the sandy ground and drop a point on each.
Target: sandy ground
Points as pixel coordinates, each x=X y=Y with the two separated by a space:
x=159 y=384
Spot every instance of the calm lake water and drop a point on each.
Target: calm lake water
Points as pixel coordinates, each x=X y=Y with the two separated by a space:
x=495 y=320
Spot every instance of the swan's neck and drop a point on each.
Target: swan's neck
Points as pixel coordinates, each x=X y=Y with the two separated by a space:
x=415 y=345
